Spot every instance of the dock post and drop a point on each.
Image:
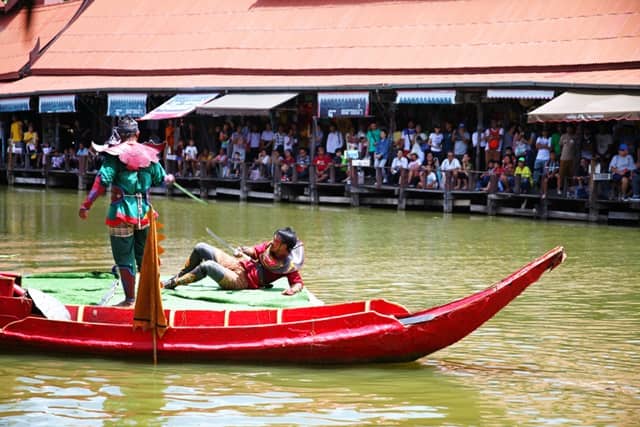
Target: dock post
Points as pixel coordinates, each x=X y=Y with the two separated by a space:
x=447 y=201
x=204 y=193
x=355 y=185
x=277 y=182
x=491 y=201
x=313 y=185
x=11 y=179
x=402 y=195
x=244 y=187
x=593 y=196
x=82 y=171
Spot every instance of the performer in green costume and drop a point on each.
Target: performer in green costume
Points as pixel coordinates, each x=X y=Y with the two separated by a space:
x=131 y=169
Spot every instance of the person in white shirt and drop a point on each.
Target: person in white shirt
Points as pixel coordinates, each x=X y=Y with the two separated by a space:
x=191 y=157
x=451 y=164
x=290 y=141
x=543 y=145
x=334 y=140
x=278 y=139
x=621 y=167
x=254 y=142
x=435 y=142
x=399 y=162
x=266 y=138
x=409 y=135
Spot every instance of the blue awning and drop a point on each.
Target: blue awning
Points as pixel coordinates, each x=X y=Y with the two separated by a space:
x=127 y=104
x=343 y=104
x=57 y=104
x=180 y=105
x=426 y=97
x=14 y=104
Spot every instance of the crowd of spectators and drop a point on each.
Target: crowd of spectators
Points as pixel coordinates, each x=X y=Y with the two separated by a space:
x=539 y=159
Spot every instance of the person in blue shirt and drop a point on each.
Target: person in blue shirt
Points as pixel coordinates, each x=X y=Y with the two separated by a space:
x=382 y=153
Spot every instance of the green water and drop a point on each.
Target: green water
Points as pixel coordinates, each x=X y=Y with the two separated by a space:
x=565 y=353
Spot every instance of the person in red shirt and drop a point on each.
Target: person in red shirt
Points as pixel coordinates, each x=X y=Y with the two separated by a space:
x=322 y=162
x=250 y=267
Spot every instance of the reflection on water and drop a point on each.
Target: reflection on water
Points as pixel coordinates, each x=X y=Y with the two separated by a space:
x=564 y=353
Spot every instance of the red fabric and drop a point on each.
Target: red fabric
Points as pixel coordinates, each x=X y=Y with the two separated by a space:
x=322 y=162
x=269 y=277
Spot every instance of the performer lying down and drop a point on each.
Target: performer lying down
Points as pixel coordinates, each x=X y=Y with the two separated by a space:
x=251 y=267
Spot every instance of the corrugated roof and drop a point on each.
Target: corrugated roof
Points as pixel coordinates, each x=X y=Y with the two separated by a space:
x=34 y=85
x=155 y=36
x=17 y=41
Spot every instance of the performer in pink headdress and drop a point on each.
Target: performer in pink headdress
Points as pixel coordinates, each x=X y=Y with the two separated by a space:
x=131 y=169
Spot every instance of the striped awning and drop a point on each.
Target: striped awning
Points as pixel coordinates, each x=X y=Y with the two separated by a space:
x=57 y=104
x=426 y=97
x=343 y=104
x=519 y=94
x=127 y=104
x=245 y=104
x=14 y=104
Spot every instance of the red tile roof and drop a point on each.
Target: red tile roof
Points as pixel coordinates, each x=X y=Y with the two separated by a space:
x=199 y=82
x=346 y=36
x=17 y=41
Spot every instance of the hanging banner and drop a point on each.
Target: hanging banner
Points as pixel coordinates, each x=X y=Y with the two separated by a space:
x=435 y=96
x=343 y=104
x=10 y=105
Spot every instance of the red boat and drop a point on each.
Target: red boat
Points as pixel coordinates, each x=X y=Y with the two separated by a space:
x=364 y=331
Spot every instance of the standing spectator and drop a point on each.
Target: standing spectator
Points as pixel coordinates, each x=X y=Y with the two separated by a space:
x=30 y=138
x=266 y=138
x=621 y=167
x=15 y=138
x=447 y=137
x=494 y=136
x=398 y=163
x=568 y=144
x=322 y=161
x=291 y=140
x=190 y=154
x=555 y=140
x=478 y=138
x=382 y=153
x=254 y=143
x=169 y=135
x=435 y=142
x=604 y=142
x=417 y=148
x=373 y=136
x=408 y=136
x=543 y=145
x=460 y=142
x=334 y=140
x=278 y=138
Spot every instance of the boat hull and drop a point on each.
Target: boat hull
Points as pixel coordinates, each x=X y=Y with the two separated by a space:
x=362 y=331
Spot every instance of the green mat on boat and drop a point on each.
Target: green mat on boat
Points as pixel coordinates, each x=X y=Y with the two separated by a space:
x=89 y=288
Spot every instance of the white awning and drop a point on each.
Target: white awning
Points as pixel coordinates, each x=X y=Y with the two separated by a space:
x=519 y=94
x=426 y=97
x=584 y=107
x=127 y=104
x=245 y=104
x=57 y=104
x=14 y=104
x=179 y=106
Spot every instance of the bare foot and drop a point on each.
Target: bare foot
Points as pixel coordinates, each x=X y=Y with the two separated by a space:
x=125 y=303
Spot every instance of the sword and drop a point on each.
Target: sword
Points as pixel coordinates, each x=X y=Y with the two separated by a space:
x=112 y=290
x=225 y=243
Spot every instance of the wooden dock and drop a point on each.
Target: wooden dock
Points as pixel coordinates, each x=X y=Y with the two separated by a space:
x=356 y=191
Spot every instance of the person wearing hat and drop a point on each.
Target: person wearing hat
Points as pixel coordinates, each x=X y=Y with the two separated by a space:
x=621 y=166
x=523 y=171
x=250 y=267
x=131 y=169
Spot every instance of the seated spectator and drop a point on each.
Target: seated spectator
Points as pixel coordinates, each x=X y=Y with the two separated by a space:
x=483 y=181
x=287 y=166
x=428 y=180
x=506 y=180
x=635 y=182
x=417 y=148
x=399 y=162
x=220 y=164
x=321 y=163
x=462 y=183
x=452 y=165
x=551 y=175
x=415 y=167
x=302 y=164
x=31 y=144
x=260 y=166
x=340 y=165
x=205 y=159
x=523 y=171
x=582 y=178
x=235 y=169
x=621 y=167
